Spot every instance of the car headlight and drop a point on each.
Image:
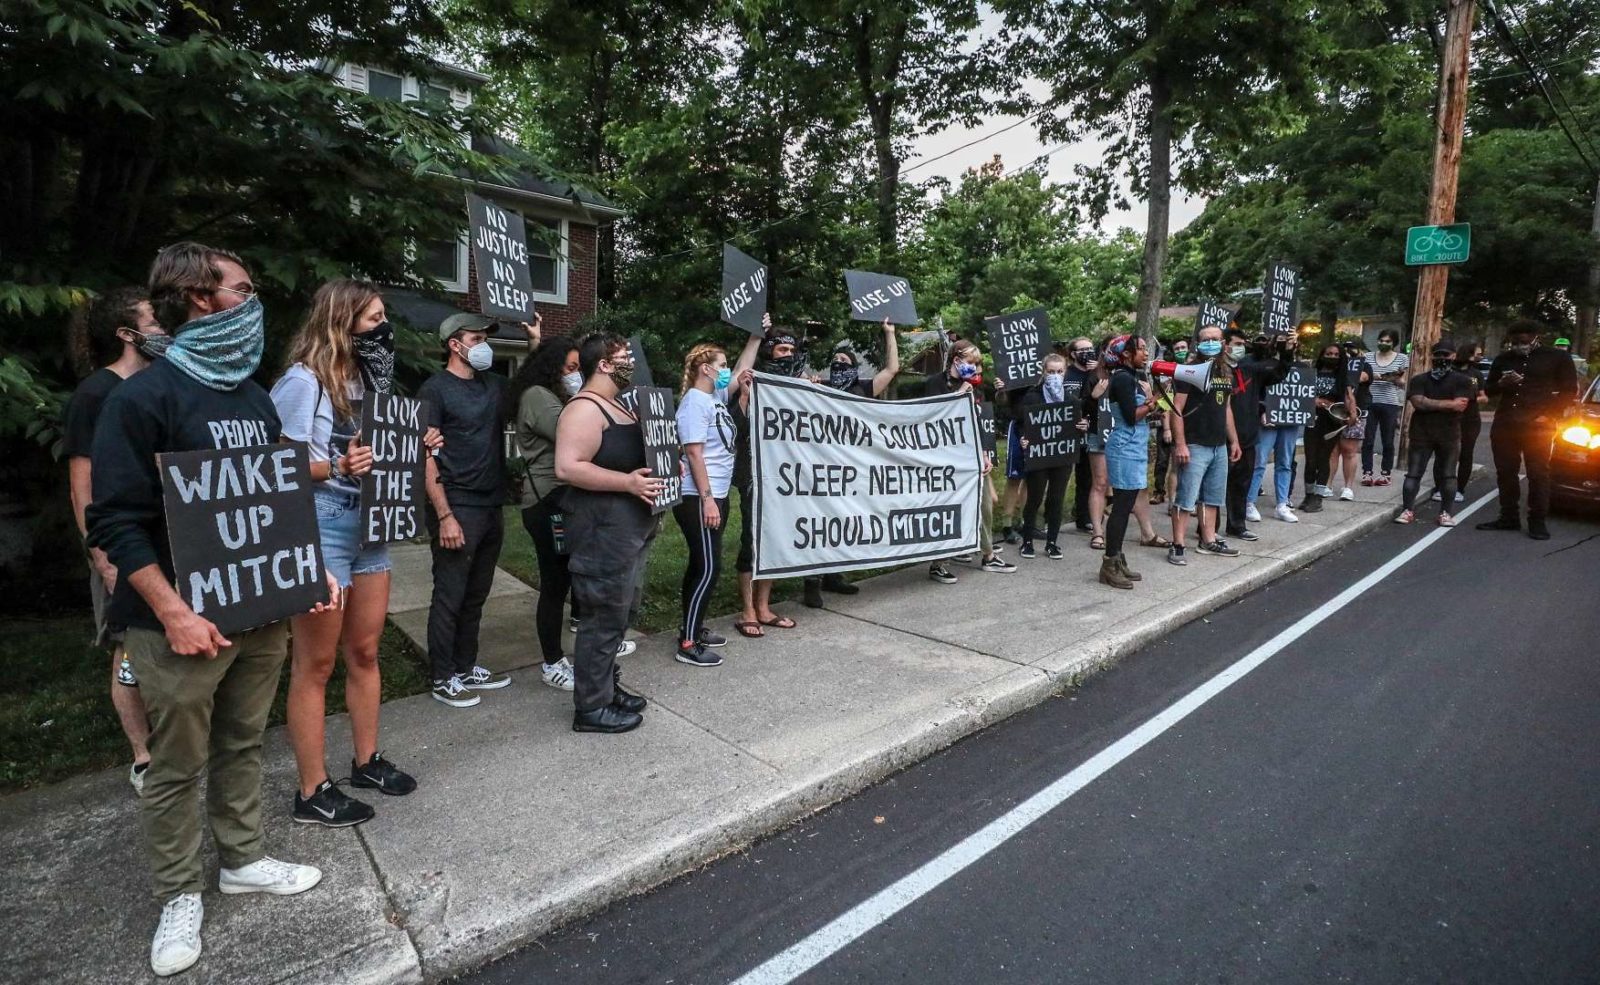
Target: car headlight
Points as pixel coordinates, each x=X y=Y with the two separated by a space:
x=1581 y=436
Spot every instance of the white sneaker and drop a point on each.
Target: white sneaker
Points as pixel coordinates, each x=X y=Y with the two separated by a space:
x=1251 y=513
x=1347 y=494
x=626 y=648
x=136 y=776
x=1325 y=492
x=1284 y=513
x=176 y=945
x=1460 y=497
x=559 y=674
x=1435 y=497
x=268 y=875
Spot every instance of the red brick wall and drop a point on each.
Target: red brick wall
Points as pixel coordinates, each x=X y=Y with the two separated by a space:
x=559 y=319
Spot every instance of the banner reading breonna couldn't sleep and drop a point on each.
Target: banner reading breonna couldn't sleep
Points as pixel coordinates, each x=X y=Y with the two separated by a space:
x=846 y=482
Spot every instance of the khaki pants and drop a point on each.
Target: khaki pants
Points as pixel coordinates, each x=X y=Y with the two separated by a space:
x=205 y=716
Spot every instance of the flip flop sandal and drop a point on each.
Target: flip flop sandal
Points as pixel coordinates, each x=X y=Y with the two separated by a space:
x=779 y=622
x=1156 y=541
x=749 y=630
x=1097 y=543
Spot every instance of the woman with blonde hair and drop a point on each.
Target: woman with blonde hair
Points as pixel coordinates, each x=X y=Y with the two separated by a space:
x=344 y=350
x=706 y=430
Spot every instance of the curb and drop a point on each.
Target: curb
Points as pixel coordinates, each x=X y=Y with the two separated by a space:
x=691 y=842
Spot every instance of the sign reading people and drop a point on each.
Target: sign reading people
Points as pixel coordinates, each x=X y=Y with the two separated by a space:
x=1212 y=315
x=1280 y=301
x=245 y=549
x=500 y=254
x=658 y=421
x=391 y=494
x=1017 y=342
x=1052 y=436
x=1292 y=402
x=744 y=290
x=845 y=482
x=874 y=297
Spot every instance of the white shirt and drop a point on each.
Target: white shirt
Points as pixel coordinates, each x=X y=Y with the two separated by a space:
x=703 y=419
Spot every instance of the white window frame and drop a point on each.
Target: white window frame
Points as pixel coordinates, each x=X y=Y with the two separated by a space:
x=462 y=283
x=560 y=294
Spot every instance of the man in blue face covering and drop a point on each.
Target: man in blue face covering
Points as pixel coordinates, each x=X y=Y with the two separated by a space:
x=207 y=696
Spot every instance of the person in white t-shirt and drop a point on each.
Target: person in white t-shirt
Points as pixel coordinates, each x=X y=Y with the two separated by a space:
x=707 y=433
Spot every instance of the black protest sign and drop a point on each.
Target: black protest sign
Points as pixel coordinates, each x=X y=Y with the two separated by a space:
x=744 y=290
x=641 y=365
x=1280 y=301
x=986 y=426
x=1292 y=402
x=1051 y=433
x=659 y=422
x=874 y=297
x=500 y=254
x=1018 y=342
x=244 y=533
x=391 y=494
x=1212 y=315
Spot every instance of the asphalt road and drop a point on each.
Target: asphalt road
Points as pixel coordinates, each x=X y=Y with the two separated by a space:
x=1408 y=792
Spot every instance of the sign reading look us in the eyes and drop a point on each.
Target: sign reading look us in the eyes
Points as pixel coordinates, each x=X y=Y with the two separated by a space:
x=1280 y=301
x=1017 y=343
x=391 y=494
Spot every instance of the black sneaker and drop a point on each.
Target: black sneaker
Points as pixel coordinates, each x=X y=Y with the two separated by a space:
x=697 y=656
x=1243 y=535
x=1012 y=536
x=1026 y=550
x=328 y=806
x=838 y=586
x=454 y=693
x=381 y=775
x=1052 y=552
x=484 y=679
x=1218 y=548
x=1502 y=522
x=813 y=593
x=941 y=574
x=996 y=565
x=708 y=638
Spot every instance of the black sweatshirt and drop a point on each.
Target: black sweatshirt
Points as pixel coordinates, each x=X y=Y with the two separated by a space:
x=158 y=410
x=1250 y=381
x=1549 y=384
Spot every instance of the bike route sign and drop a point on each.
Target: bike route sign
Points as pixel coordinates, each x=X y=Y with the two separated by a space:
x=1427 y=245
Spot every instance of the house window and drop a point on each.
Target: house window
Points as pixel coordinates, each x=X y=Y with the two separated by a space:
x=446 y=262
x=547 y=250
x=384 y=85
x=434 y=95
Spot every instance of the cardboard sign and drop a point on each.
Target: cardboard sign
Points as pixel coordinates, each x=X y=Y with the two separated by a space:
x=1052 y=435
x=844 y=482
x=243 y=529
x=1212 y=315
x=744 y=290
x=500 y=254
x=1280 y=302
x=1018 y=343
x=391 y=494
x=986 y=426
x=663 y=451
x=641 y=365
x=874 y=297
x=1292 y=402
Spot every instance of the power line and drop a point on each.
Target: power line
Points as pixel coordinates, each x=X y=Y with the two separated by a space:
x=1522 y=57
x=1577 y=121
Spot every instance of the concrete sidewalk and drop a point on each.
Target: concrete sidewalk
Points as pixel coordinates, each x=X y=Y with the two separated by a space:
x=520 y=825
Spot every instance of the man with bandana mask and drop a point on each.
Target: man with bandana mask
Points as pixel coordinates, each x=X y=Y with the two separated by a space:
x=1535 y=386
x=1438 y=398
x=208 y=696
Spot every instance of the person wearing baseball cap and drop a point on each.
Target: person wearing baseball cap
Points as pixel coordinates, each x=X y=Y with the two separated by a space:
x=1438 y=398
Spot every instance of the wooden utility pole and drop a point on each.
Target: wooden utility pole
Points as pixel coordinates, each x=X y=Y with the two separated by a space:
x=1587 y=312
x=1449 y=122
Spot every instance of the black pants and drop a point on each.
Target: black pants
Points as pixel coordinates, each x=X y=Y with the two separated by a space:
x=1382 y=421
x=1522 y=445
x=610 y=536
x=1163 y=464
x=1083 y=482
x=461 y=582
x=746 y=561
x=554 y=579
x=1447 y=446
x=1471 y=427
x=1122 y=501
x=1319 y=447
x=1047 y=488
x=705 y=562
x=1239 y=475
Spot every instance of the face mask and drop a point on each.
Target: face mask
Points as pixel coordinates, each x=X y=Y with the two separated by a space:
x=842 y=376
x=1236 y=352
x=966 y=371
x=622 y=375
x=1179 y=355
x=790 y=365
x=1055 y=387
x=375 y=357
x=222 y=349
x=1083 y=357
x=1210 y=347
x=152 y=346
x=1440 y=371
x=1522 y=350
x=572 y=383
x=1385 y=346
x=724 y=377
x=1326 y=363
x=480 y=357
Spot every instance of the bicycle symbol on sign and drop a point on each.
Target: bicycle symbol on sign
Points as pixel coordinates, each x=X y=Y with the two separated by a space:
x=1437 y=240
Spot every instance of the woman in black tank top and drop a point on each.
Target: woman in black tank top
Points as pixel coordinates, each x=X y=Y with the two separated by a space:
x=600 y=457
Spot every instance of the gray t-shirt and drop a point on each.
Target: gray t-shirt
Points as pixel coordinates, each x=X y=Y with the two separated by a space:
x=470 y=415
x=307 y=416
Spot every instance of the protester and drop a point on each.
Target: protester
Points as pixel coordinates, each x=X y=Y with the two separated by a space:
x=122 y=336
x=344 y=350
x=1534 y=385
x=1082 y=378
x=963 y=373
x=775 y=352
x=1347 y=452
x=610 y=491
x=1466 y=363
x=1390 y=368
x=1127 y=451
x=1322 y=435
x=1279 y=442
x=1252 y=373
x=208 y=696
x=1204 y=443
x=1438 y=399
x=466 y=486
x=706 y=431
x=1098 y=403
x=1014 y=495
x=1046 y=487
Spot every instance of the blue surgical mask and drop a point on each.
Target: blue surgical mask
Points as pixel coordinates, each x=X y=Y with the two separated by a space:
x=572 y=383
x=724 y=378
x=480 y=357
x=1210 y=347
x=966 y=370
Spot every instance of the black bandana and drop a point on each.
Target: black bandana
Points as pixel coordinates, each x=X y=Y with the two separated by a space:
x=842 y=377
x=375 y=356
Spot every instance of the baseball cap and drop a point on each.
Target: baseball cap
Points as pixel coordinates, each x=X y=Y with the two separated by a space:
x=1563 y=342
x=465 y=321
x=1443 y=348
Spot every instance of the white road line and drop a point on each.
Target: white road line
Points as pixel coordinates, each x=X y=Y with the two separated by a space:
x=808 y=953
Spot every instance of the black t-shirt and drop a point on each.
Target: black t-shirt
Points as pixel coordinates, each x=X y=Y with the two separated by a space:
x=1354 y=367
x=470 y=415
x=83 y=410
x=1250 y=381
x=1079 y=385
x=1439 y=423
x=1205 y=412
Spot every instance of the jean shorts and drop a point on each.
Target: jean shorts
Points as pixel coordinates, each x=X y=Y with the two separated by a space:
x=339 y=526
x=1094 y=442
x=1205 y=477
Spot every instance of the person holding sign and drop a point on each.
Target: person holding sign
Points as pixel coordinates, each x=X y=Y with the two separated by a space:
x=777 y=351
x=963 y=373
x=1335 y=393
x=1047 y=487
x=1252 y=374
x=1127 y=453
x=706 y=431
x=1088 y=476
x=319 y=401
x=610 y=494
x=208 y=696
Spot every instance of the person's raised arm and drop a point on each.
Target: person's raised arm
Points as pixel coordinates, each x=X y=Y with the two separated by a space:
x=747 y=360
x=891 y=360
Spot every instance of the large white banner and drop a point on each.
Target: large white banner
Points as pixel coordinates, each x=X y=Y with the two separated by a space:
x=845 y=482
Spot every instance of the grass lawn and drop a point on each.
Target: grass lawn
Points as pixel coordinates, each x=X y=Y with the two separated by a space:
x=59 y=720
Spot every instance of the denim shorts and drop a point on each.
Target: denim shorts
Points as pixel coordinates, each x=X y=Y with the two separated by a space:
x=1205 y=477
x=339 y=525
x=1094 y=441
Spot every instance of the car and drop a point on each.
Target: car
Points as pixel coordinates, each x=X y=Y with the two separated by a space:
x=1575 y=455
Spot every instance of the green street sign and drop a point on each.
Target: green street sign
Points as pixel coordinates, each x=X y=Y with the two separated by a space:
x=1438 y=244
